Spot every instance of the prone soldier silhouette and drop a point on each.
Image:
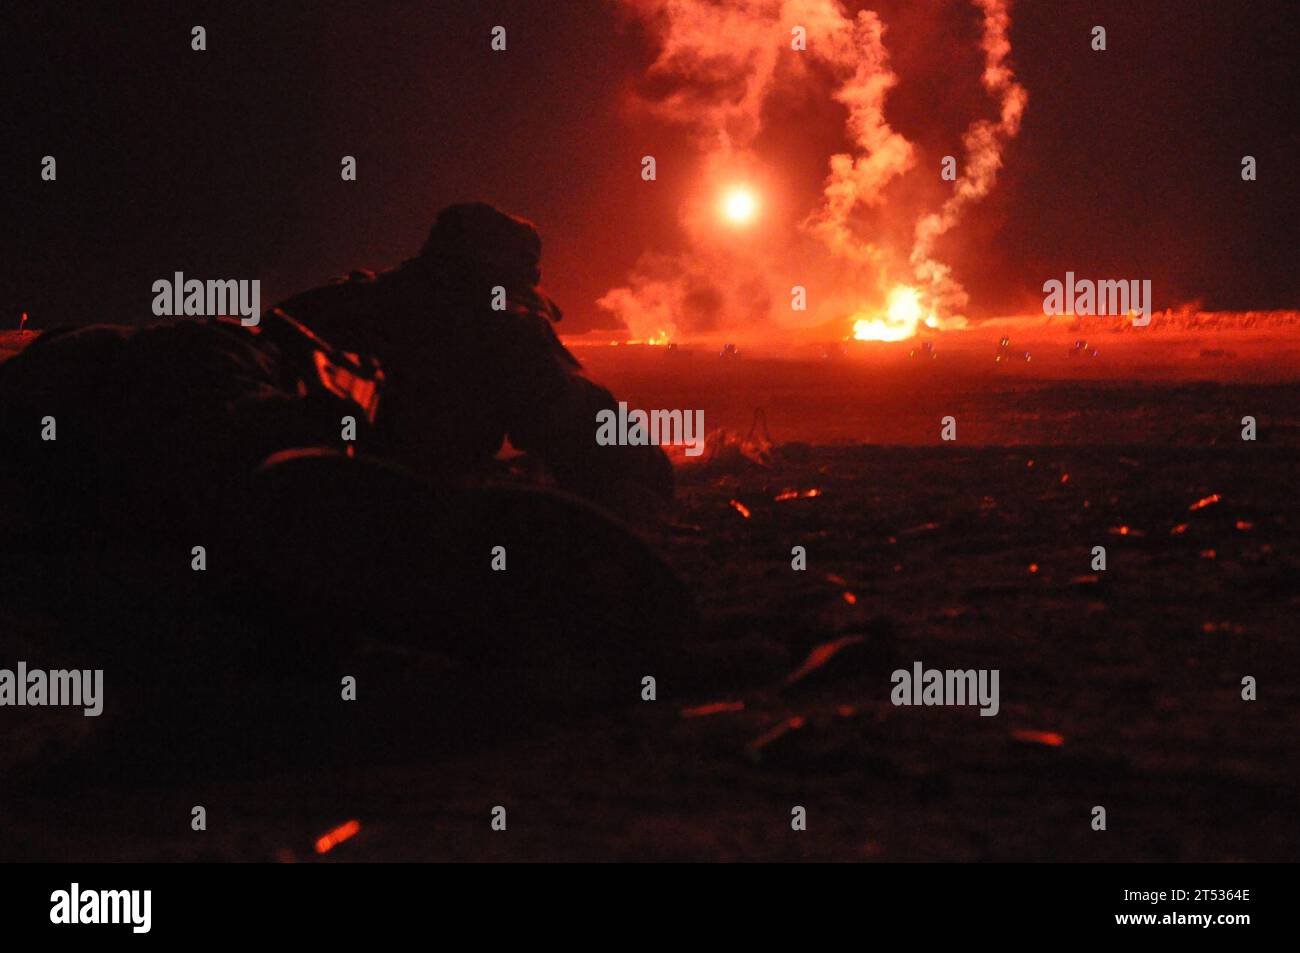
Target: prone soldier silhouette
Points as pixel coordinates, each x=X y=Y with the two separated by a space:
x=203 y=432
x=465 y=374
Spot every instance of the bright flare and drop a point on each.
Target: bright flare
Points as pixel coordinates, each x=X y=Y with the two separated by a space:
x=902 y=315
x=739 y=206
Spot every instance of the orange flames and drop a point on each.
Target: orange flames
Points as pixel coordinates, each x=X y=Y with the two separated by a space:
x=902 y=317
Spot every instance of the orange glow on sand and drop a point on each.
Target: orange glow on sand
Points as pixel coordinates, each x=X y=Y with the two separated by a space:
x=820 y=655
x=1050 y=738
x=331 y=839
x=712 y=708
x=796 y=495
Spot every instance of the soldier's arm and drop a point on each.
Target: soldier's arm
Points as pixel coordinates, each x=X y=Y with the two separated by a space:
x=554 y=417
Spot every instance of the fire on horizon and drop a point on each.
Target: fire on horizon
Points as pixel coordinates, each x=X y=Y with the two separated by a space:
x=878 y=232
x=797 y=144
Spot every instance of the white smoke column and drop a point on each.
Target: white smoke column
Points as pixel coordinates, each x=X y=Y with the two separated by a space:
x=983 y=143
x=856 y=47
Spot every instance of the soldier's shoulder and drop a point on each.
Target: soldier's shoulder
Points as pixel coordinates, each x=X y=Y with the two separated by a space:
x=340 y=291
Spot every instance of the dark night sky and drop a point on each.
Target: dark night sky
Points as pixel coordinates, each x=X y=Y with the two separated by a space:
x=226 y=163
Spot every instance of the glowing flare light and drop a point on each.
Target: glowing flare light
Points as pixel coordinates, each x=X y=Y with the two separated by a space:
x=739 y=206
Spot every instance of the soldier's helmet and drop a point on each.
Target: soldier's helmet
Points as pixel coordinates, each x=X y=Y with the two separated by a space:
x=485 y=242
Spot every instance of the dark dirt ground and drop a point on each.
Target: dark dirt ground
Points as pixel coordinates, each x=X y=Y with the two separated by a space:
x=1119 y=688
